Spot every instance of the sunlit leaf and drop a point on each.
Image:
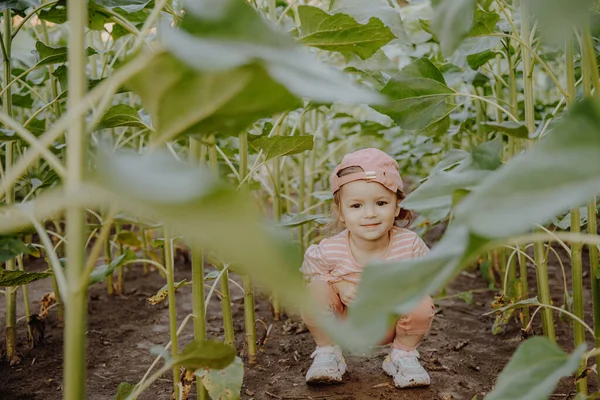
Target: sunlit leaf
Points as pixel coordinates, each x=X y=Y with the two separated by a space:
x=561 y=171
x=451 y=22
x=340 y=32
x=226 y=383
x=205 y=354
x=278 y=146
x=558 y=18
x=128 y=238
x=121 y=115
x=17 y=278
x=363 y=10
x=534 y=370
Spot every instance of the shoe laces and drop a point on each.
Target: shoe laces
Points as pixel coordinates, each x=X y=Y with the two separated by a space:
x=408 y=359
x=324 y=353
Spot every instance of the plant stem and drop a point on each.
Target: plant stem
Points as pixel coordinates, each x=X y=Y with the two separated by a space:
x=539 y=252
x=276 y=215
x=25 y=300
x=107 y=261
x=590 y=73
x=170 y=267
x=224 y=280
x=76 y=303
x=120 y=275
x=249 y=316
x=198 y=283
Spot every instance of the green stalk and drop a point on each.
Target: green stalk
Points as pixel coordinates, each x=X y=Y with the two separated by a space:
x=198 y=283
x=25 y=299
x=120 y=270
x=11 y=293
x=53 y=80
x=224 y=280
x=249 y=316
x=539 y=252
x=276 y=213
x=590 y=73
x=107 y=261
x=576 y=247
x=301 y=186
x=76 y=303
x=172 y=307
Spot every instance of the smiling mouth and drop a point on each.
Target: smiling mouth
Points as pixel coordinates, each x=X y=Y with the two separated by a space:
x=370 y=225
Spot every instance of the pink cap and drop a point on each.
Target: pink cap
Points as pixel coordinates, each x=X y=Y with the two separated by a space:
x=376 y=166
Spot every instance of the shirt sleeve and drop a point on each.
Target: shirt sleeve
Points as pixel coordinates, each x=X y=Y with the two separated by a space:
x=419 y=248
x=315 y=265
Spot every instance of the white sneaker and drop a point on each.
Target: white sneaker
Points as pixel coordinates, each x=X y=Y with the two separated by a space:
x=328 y=366
x=405 y=368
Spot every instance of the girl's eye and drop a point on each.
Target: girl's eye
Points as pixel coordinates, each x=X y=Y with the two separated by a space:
x=381 y=203
x=355 y=206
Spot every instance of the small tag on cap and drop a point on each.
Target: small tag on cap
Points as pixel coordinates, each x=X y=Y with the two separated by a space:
x=371 y=174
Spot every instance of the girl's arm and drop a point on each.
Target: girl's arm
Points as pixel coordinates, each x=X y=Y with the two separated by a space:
x=316 y=266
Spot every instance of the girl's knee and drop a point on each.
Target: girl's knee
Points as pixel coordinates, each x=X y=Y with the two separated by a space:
x=325 y=298
x=418 y=321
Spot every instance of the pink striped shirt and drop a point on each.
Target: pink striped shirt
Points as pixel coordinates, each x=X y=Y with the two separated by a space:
x=331 y=260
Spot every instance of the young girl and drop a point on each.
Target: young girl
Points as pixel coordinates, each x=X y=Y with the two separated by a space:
x=367 y=189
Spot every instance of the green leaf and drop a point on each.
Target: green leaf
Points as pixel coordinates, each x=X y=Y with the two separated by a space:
x=54 y=55
x=296 y=220
x=459 y=171
x=559 y=172
x=18 y=5
x=57 y=14
x=25 y=101
x=129 y=6
x=340 y=32
x=478 y=59
x=124 y=390
x=279 y=146
x=485 y=23
x=509 y=127
x=451 y=22
x=121 y=115
x=101 y=272
x=363 y=10
x=205 y=354
x=226 y=383
x=10 y=247
x=17 y=278
x=558 y=18
x=163 y=292
x=534 y=370
x=214 y=38
x=182 y=100
x=128 y=238
x=417 y=96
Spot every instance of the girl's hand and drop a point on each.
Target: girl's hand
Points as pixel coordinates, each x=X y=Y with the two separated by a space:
x=347 y=291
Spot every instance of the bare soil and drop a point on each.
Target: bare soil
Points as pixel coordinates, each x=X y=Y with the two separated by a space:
x=463 y=356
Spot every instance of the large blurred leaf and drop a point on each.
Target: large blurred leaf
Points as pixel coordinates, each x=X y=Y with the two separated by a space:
x=10 y=247
x=509 y=127
x=214 y=37
x=277 y=146
x=17 y=278
x=458 y=171
x=54 y=55
x=558 y=18
x=534 y=370
x=561 y=171
x=121 y=115
x=226 y=383
x=363 y=10
x=181 y=99
x=418 y=96
x=205 y=354
x=340 y=32
x=452 y=20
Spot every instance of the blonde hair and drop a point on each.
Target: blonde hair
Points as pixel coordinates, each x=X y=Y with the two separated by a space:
x=336 y=226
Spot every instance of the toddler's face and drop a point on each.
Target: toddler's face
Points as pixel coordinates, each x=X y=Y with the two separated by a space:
x=368 y=209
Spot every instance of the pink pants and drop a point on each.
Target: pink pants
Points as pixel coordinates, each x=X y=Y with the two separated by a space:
x=405 y=335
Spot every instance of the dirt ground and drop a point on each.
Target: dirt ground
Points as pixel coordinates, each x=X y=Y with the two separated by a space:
x=463 y=356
